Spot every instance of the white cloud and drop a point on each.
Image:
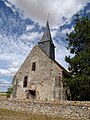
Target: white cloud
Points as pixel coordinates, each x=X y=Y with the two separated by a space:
x=8 y=72
x=60 y=52
x=30 y=36
x=4 y=72
x=13 y=51
x=64 y=31
x=4 y=82
x=13 y=70
x=39 y=9
x=13 y=63
x=29 y=27
x=88 y=11
x=53 y=33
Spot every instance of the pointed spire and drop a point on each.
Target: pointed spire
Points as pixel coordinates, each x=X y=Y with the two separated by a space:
x=47 y=35
x=46 y=43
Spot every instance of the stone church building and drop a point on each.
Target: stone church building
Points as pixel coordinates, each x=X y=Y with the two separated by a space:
x=40 y=76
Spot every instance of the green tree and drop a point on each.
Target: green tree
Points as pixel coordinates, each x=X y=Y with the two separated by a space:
x=79 y=65
x=9 y=92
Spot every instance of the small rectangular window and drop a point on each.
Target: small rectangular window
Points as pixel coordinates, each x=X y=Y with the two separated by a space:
x=25 y=81
x=33 y=66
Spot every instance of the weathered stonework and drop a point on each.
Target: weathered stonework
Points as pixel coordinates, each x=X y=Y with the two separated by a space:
x=40 y=76
x=73 y=110
x=46 y=80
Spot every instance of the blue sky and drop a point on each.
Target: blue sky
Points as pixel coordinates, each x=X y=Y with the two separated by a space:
x=21 y=27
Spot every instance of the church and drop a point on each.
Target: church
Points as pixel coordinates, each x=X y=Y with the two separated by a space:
x=40 y=77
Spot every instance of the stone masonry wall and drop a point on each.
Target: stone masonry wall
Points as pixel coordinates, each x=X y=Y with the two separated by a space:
x=43 y=78
x=74 y=110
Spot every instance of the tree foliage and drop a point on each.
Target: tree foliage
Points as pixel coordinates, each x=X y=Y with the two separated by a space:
x=79 y=39
x=79 y=65
x=9 y=92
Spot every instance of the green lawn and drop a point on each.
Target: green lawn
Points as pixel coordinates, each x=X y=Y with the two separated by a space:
x=13 y=115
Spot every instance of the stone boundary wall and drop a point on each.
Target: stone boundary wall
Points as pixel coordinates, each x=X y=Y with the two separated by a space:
x=67 y=109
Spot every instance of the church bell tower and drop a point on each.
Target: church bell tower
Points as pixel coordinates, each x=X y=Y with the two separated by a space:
x=46 y=43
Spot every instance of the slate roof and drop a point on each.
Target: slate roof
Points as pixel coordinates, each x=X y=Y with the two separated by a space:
x=47 y=35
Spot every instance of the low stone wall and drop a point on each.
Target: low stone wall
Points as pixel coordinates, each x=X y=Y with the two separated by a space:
x=67 y=109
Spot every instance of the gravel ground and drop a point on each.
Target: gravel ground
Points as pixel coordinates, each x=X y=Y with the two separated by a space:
x=13 y=115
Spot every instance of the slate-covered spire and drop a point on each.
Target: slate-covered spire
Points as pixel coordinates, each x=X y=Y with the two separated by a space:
x=46 y=43
x=47 y=35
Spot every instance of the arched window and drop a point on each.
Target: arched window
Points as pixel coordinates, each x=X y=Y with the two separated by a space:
x=25 y=81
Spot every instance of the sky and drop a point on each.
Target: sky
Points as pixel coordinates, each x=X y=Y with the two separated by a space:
x=22 y=25
x=38 y=9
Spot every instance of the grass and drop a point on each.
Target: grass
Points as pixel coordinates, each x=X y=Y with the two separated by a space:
x=13 y=115
x=2 y=94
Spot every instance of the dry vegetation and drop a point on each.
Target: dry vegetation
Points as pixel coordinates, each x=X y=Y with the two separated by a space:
x=13 y=115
